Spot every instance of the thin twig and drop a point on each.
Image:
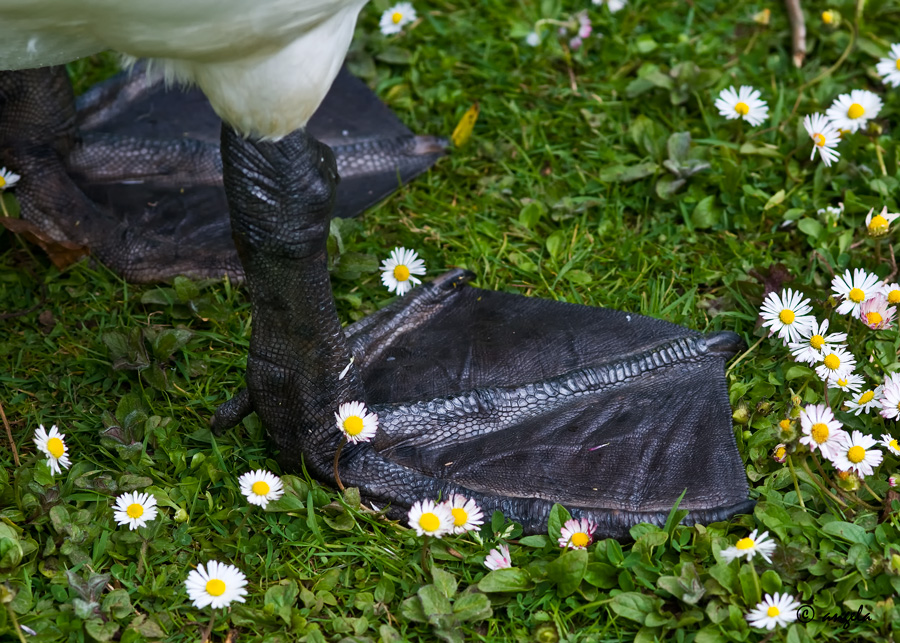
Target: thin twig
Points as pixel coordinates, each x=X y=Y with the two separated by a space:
x=743 y=355
x=798 y=30
x=796 y=483
x=209 y=628
x=813 y=477
x=337 y=454
x=12 y=443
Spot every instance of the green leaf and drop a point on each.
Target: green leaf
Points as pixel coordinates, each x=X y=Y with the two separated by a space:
x=10 y=548
x=511 y=579
x=685 y=587
x=749 y=585
x=472 y=607
x=770 y=581
x=568 y=570
x=444 y=581
x=169 y=341
x=558 y=517
x=531 y=214
x=811 y=227
x=395 y=56
x=667 y=186
x=100 y=631
x=679 y=146
x=411 y=609
x=797 y=371
x=632 y=605
x=774 y=200
x=434 y=601
x=556 y=242
x=601 y=575
x=185 y=289
x=705 y=214
x=628 y=173
x=538 y=541
x=579 y=277
x=281 y=599
x=848 y=531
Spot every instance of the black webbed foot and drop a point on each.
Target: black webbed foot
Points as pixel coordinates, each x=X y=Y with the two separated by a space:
x=134 y=173
x=516 y=402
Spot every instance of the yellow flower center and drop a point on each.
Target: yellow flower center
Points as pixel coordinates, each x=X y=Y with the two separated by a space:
x=897 y=63
x=873 y=318
x=780 y=452
x=772 y=612
x=866 y=397
x=894 y=297
x=353 y=425
x=819 y=139
x=429 y=522
x=856 y=295
x=856 y=455
x=745 y=543
x=878 y=223
x=396 y=17
x=460 y=517
x=580 y=539
x=894 y=445
x=832 y=362
x=2 y=182
x=827 y=17
x=856 y=110
x=56 y=447
x=215 y=587
x=401 y=273
x=842 y=383
x=135 y=510
x=819 y=432
x=786 y=316
x=260 y=487
x=742 y=108
x=785 y=425
x=817 y=341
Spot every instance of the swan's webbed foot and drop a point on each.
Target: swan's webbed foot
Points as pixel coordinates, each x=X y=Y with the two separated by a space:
x=516 y=402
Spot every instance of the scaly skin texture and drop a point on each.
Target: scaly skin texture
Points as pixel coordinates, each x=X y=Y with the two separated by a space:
x=515 y=402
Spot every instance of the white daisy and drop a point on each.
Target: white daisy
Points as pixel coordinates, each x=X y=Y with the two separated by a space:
x=821 y=430
x=813 y=341
x=894 y=480
x=825 y=138
x=744 y=103
x=431 y=519
x=498 y=558
x=875 y=312
x=612 y=5
x=466 y=514
x=890 y=397
x=356 y=422
x=849 y=384
x=892 y=292
x=7 y=179
x=880 y=224
x=865 y=401
x=398 y=270
x=889 y=68
x=773 y=611
x=532 y=39
x=750 y=546
x=394 y=19
x=858 y=455
x=854 y=289
x=852 y=111
x=261 y=487
x=135 y=509
x=577 y=534
x=53 y=445
x=217 y=585
x=832 y=213
x=836 y=364
x=786 y=314
x=890 y=443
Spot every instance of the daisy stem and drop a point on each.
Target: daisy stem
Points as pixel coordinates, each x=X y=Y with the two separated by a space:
x=757 y=592
x=6 y=214
x=209 y=627
x=425 y=540
x=853 y=498
x=821 y=487
x=143 y=556
x=872 y=493
x=744 y=354
x=796 y=483
x=15 y=622
x=337 y=454
x=880 y=155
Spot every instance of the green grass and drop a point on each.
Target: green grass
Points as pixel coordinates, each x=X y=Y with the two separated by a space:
x=536 y=203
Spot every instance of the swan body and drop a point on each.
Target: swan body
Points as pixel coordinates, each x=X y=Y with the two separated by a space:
x=265 y=65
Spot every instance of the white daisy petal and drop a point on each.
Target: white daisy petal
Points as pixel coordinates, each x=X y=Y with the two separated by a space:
x=858 y=454
x=749 y=546
x=814 y=340
x=498 y=558
x=825 y=138
x=835 y=364
x=864 y=402
x=217 y=585
x=53 y=446
x=787 y=314
x=261 y=487
x=744 y=103
x=356 y=422
x=395 y=18
x=8 y=179
x=890 y=397
x=135 y=509
x=778 y=610
x=577 y=533
x=853 y=289
x=397 y=272
x=853 y=111
x=889 y=68
x=890 y=443
x=467 y=515
x=431 y=519
x=821 y=430
x=880 y=224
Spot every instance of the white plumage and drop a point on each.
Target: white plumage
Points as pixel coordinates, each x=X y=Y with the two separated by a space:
x=265 y=65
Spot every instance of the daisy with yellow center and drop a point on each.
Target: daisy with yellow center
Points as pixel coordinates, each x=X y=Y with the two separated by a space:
x=821 y=430
x=498 y=558
x=749 y=546
x=261 y=487
x=880 y=224
x=744 y=103
x=577 y=534
x=431 y=519
x=849 y=384
x=864 y=402
x=825 y=138
x=395 y=18
x=779 y=453
x=836 y=364
x=853 y=111
x=135 y=509
x=397 y=271
x=8 y=179
x=787 y=314
x=890 y=443
x=814 y=341
x=466 y=514
x=775 y=610
x=890 y=397
x=876 y=314
x=356 y=422
x=889 y=68
x=858 y=455
x=53 y=445
x=853 y=289
x=217 y=585
x=891 y=292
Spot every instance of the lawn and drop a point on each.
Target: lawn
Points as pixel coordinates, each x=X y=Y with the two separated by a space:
x=598 y=173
